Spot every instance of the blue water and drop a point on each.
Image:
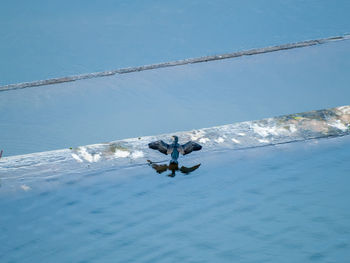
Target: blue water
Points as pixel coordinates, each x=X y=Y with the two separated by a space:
x=42 y=39
x=174 y=99
x=286 y=203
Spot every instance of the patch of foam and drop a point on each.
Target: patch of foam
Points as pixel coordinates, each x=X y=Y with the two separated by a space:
x=91 y=158
x=235 y=140
x=292 y=128
x=241 y=134
x=121 y=154
x=263 y=140
x=204 y=140
x=77 y=158
x=97 y=157
x=339 y=125
x=137 y=154
x=25 y=187
x=266 y=131
x=220 y=140
x=197 y=135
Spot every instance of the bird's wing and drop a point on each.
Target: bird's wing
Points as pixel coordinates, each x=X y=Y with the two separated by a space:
x=189 y=147
x=160 y=146
x=186 y=170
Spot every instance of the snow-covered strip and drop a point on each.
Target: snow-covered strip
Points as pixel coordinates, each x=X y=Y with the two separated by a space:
x=283 y=129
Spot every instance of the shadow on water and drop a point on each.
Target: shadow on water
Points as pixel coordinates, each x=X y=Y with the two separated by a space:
x=173 y=167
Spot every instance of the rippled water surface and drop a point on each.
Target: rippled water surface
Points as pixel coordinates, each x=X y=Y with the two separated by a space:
x=286 y=203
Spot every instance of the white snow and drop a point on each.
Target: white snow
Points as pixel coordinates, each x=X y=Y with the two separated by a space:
x=77 y=158
x=220 y=140
x=204 y=140
x=121 y=154
x=266 y=131
x=263 y=141
x=339 y=125
x=91 y=158
x=235 y=140
x=292 y=128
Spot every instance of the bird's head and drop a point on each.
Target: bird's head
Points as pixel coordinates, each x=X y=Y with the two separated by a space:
x=176 y=139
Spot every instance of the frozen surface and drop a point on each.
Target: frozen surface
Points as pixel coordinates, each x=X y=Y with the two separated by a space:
x=286 y=203
x=41 y=39
x=174 y=99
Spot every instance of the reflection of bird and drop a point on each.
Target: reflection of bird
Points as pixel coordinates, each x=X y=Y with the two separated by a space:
x=175 y=148
x=173 y=167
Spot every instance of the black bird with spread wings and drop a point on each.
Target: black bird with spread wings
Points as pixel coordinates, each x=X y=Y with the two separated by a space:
x=175 y=148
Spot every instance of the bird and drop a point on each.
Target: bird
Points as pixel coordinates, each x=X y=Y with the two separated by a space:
x=175 y=148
